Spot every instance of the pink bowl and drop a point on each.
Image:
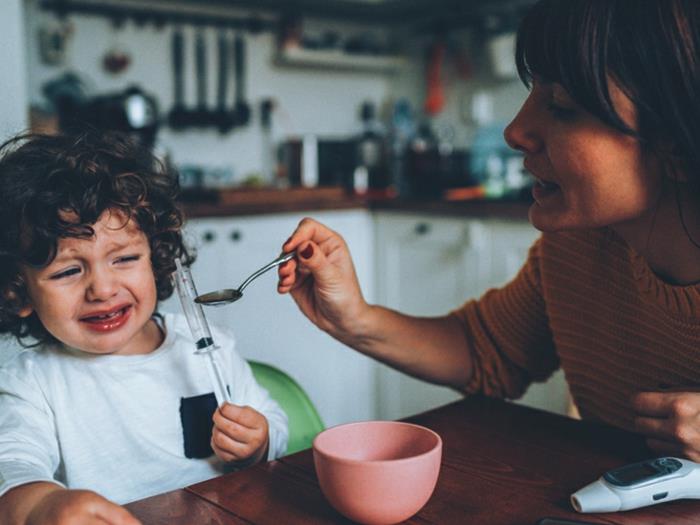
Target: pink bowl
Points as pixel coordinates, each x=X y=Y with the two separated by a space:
x=377 y=472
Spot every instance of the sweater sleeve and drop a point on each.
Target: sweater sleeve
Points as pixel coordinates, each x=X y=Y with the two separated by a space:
x=508 y=334
x=28 y=446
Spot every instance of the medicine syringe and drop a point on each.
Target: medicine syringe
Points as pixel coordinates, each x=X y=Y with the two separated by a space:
x=200 y=330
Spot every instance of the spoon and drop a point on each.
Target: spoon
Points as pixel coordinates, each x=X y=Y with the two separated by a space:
x=229 y=295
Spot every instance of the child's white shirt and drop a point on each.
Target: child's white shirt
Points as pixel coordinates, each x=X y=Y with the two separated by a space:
x=122 y=426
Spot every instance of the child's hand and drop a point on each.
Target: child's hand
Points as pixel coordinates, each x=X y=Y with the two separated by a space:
x=240 y=434
x=78 y=507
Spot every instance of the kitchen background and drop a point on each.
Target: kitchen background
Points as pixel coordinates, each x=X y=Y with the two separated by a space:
x=382 y=118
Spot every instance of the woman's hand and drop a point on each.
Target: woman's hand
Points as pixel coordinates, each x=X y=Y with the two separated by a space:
x=322 y=279
x=671 y=420
x=78 y=507
x=240 y=434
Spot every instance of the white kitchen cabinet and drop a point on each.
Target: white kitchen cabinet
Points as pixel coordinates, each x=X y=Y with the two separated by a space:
x=269 y=327
x=427 y=265
x=424 y=266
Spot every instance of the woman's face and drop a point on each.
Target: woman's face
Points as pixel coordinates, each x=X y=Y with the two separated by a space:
x=588 y=174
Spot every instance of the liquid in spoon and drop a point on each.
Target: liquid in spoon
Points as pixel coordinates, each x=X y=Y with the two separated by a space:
x=219 y=297
x=229 y=295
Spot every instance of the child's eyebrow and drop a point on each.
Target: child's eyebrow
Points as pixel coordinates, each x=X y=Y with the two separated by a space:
x=116 y=246
x=63 y=255
x=70 y=253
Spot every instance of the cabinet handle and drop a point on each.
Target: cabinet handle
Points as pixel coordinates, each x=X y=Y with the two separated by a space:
x=209 y=236
x=236 y=235
x=422 y=228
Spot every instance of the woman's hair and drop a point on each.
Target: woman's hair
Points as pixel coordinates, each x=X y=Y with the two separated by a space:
x=649 y=48
x=54 y=187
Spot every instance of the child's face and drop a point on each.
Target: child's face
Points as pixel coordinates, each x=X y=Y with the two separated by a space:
x=98 y=294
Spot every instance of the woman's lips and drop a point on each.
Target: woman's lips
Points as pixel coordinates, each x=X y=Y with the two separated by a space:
x=541 y=190
x=108 y=321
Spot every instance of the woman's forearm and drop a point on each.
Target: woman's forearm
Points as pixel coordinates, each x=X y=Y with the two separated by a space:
x=433 y=349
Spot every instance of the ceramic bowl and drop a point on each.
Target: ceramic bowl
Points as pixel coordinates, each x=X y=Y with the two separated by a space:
x=377 y=472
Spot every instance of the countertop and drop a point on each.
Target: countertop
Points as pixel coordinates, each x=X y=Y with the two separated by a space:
x=501 y=464
x=265 y=202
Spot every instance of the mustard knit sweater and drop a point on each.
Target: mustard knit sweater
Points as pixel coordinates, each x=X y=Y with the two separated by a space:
x=587 y=302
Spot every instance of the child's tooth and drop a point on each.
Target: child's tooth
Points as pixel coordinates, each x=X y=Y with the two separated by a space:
x=108 y=316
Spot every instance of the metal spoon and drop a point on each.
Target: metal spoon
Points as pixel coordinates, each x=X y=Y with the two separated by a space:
x=229 y=295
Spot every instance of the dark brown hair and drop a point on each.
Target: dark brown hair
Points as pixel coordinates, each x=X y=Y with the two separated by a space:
x=650 y=48
x=44 y=179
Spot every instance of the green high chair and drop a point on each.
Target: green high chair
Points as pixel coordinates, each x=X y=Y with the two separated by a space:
x=304 y=421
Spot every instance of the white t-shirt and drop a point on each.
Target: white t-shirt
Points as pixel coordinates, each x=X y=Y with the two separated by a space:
x=126 y=427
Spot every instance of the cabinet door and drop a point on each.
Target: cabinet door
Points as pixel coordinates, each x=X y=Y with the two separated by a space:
x=425 y=266
x=269 y=327
x=428 y=266
x=510 y=242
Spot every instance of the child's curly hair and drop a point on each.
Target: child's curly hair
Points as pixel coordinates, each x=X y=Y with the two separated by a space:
x=44 y=179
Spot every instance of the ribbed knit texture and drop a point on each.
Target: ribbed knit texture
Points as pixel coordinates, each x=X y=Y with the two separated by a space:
x=585 y=301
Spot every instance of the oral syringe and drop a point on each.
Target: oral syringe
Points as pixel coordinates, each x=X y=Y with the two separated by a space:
x=204 y=342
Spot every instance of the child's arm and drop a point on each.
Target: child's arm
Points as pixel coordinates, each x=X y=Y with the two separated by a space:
x=45 y=503
x=246 y=392
x=29 y=454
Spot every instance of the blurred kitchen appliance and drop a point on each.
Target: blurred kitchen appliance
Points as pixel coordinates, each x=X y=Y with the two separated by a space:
x=428 y=173
x=290 y=159
x=428 y=168
x=335 y=160
x=132 y=111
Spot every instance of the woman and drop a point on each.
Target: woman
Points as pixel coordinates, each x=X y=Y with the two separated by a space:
x=611 y=132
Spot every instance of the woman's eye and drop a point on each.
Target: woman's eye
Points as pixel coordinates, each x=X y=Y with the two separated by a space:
x=65 y=273
x=561 y=112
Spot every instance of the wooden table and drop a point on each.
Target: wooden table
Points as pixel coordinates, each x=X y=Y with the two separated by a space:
x=503 y=464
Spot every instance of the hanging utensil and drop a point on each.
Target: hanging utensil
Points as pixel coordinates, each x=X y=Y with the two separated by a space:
x=241 y=107
x=179 y=116
x=201 y=115
x=224 y=118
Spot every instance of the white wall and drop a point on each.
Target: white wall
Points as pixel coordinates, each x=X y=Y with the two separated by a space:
x=309 y=101
x=13 y=81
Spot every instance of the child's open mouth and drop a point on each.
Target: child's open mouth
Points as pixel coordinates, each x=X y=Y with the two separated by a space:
x=107 y=321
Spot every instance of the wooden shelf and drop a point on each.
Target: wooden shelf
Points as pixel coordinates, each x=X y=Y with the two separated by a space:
x=388 y=13
x=336 y=59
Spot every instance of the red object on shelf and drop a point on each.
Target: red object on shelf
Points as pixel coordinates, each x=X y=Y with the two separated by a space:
x=467 y=193
x=435 y=96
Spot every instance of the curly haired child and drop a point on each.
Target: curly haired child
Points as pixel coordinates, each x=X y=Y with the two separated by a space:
x=107 y=403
